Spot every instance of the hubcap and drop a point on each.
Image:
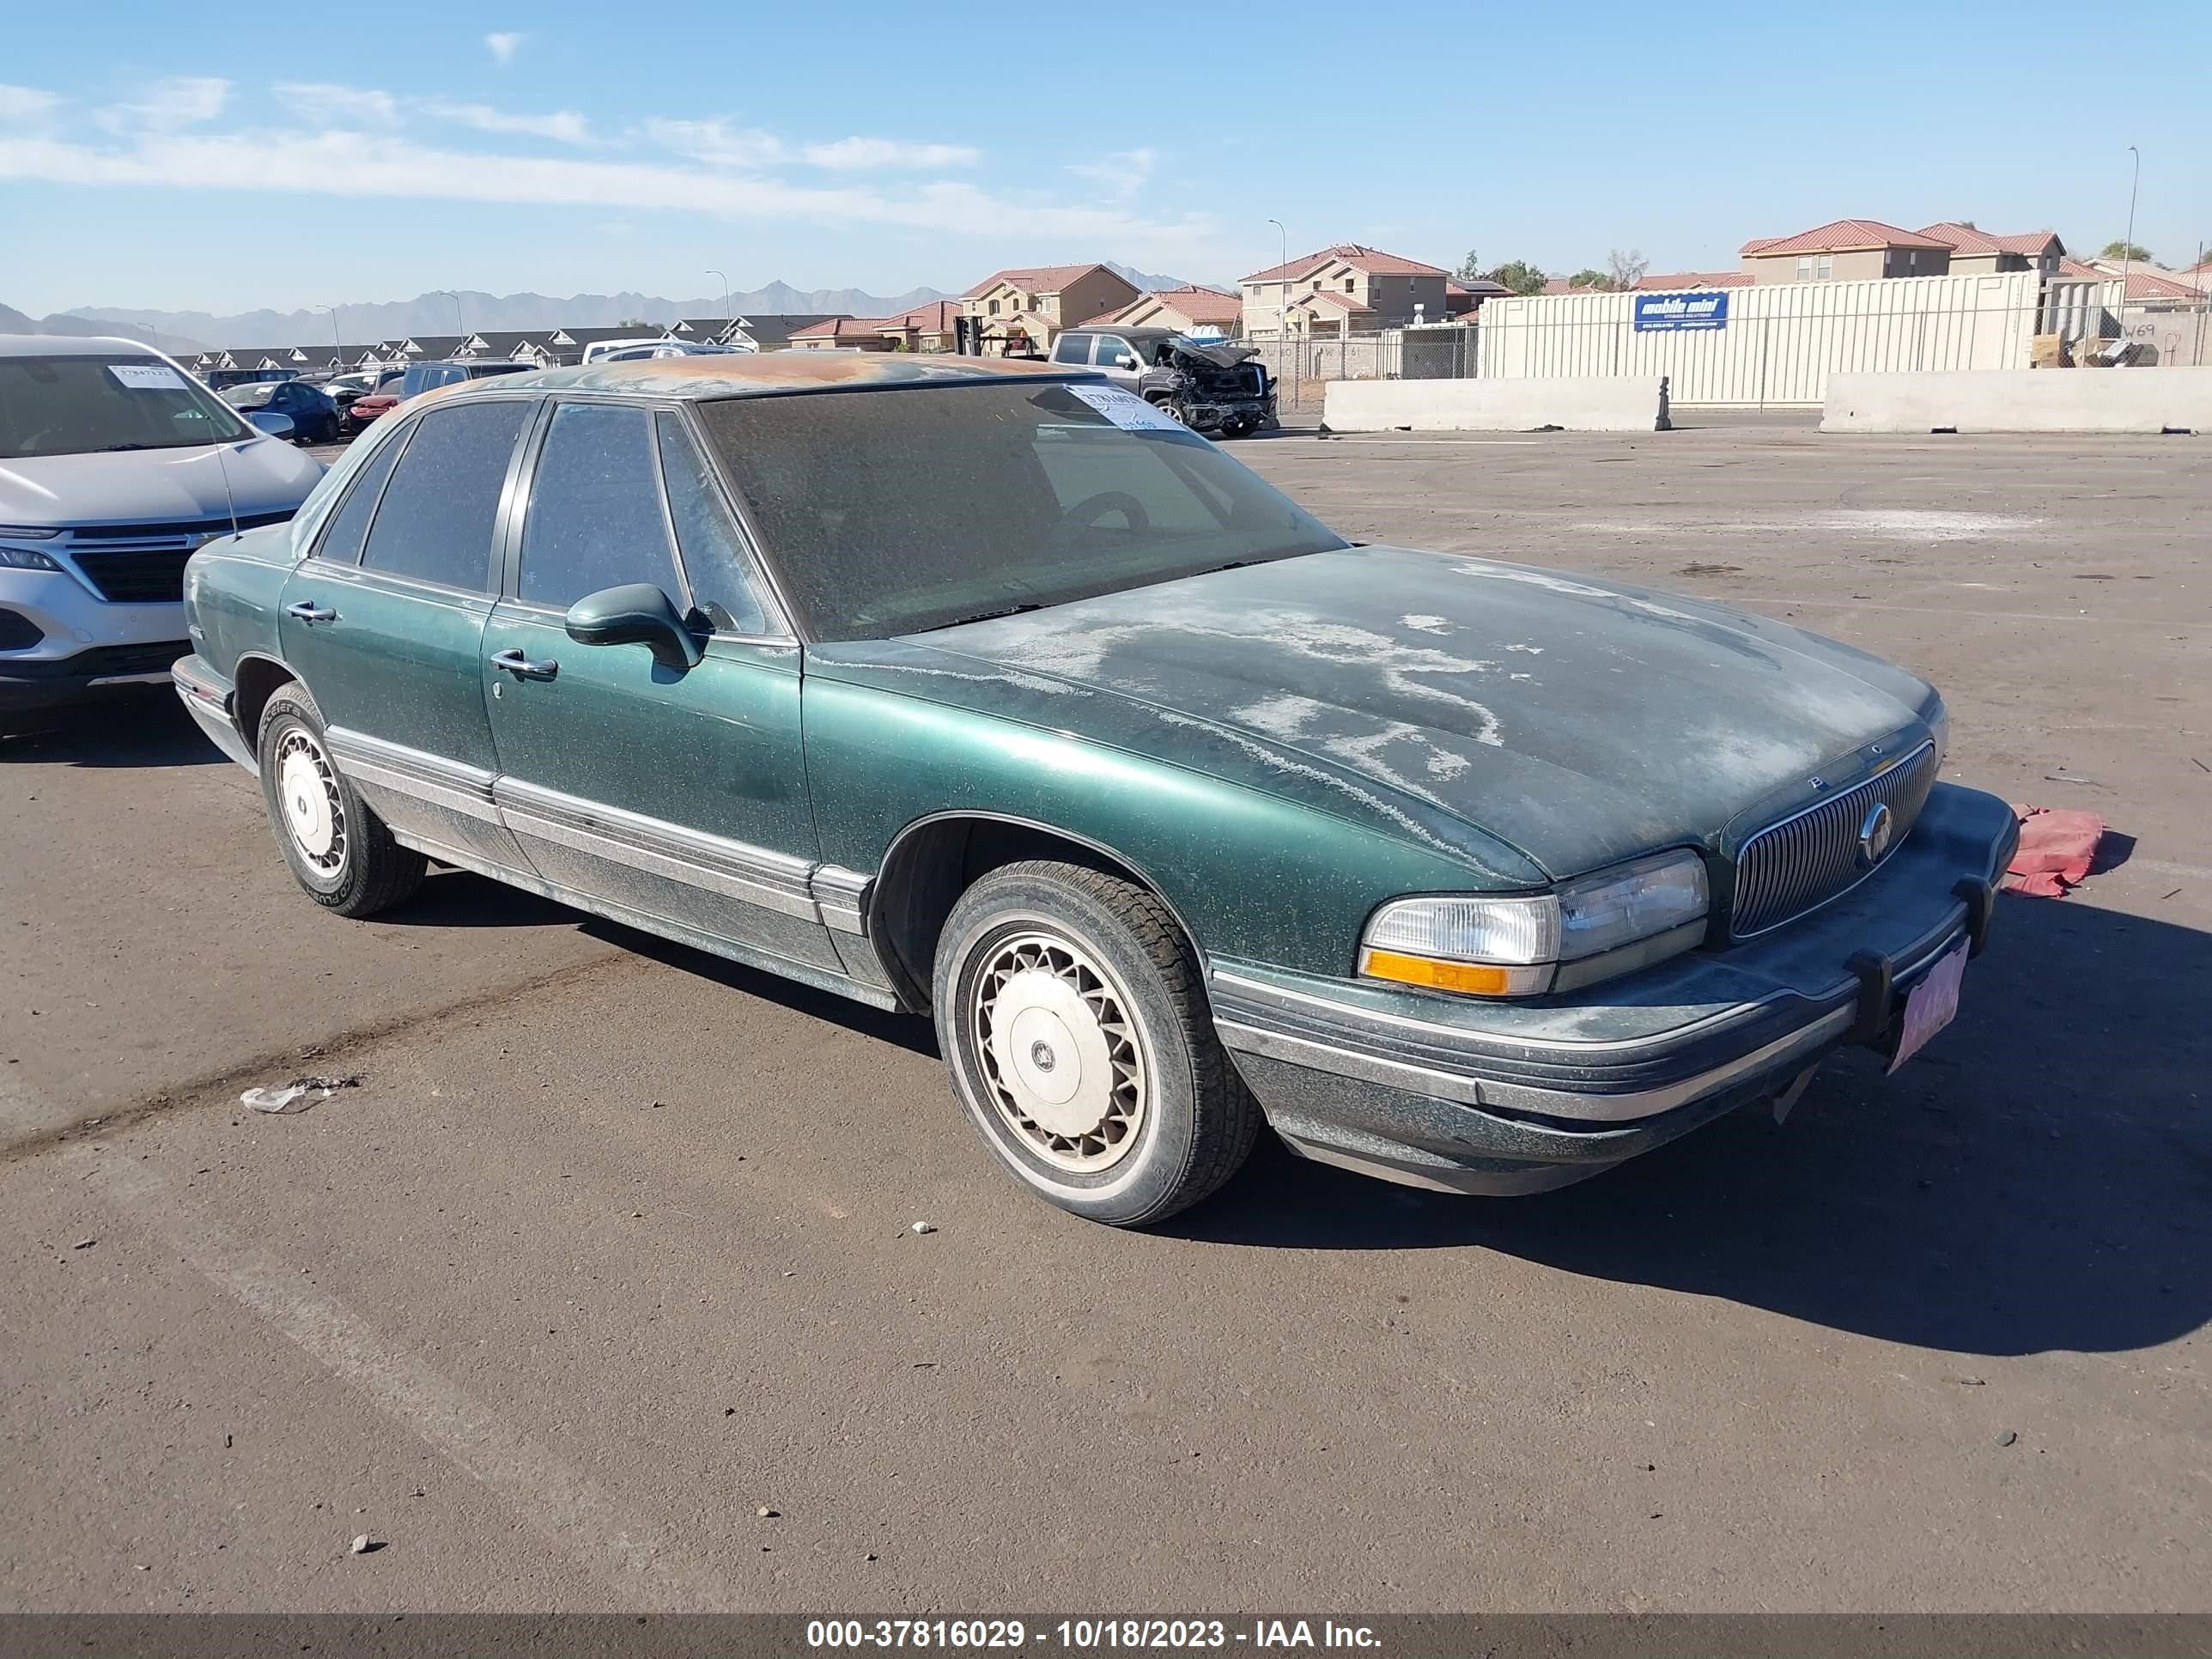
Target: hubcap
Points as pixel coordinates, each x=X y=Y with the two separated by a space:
x=314 y=815
x=1061 y=1057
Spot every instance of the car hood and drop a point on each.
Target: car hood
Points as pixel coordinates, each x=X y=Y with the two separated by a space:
x=257 y=475
x=1577 y=720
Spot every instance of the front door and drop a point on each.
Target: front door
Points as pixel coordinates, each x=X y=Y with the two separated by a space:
x=384 y=624
x=675 y=796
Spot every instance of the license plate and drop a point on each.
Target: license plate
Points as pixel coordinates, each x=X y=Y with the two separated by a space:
x=1931 y=1004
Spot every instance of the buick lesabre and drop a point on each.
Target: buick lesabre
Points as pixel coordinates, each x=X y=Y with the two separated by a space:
x=986 y=691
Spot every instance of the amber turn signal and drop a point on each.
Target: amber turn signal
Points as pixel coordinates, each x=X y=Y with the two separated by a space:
x=1472 y=979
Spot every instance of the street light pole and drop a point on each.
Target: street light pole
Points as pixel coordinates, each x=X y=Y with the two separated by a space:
x=725 y=294
x=337 y=343
x=1283 y=310
x=455 y=297
x=2128 y=248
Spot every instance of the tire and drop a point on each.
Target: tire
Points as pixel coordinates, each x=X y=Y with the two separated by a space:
x=1172 y=408
x=340 y=853
x=1101 y=981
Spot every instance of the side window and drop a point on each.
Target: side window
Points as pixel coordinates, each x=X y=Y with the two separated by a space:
x=1072 y=349
x=435 y=521
x=1115 y=353
x=341 y=543
x=596 y=519
x=713 y=558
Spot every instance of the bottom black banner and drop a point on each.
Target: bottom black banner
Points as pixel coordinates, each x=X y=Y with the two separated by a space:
x=764 y=1636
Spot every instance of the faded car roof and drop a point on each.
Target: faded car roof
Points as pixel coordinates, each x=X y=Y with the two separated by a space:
x=766 y=373
x=69 y=345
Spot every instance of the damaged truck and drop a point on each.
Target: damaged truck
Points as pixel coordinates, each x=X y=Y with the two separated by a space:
x=1214 y=386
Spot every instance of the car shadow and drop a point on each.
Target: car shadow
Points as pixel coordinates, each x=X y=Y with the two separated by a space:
x=461 y=898
x=915 y=1035
x=138 y=727
x=2039 y=1179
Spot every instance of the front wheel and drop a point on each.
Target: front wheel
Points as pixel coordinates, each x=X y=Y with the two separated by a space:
x=339 y=851
x=1071 y=1011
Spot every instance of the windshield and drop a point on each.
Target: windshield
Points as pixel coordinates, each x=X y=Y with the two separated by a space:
x=254 y=396
x=75 y=405
x=896 y=511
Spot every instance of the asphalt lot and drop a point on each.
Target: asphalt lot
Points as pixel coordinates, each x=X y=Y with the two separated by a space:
x=608 y=1252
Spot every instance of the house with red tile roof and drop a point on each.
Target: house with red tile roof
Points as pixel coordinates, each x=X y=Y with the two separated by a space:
x=1344 y=289
x=1031 y=304
x=842 y=334
x=1675 y=282
x=1182 y=309
x=1974 y=251
x=1845 y=249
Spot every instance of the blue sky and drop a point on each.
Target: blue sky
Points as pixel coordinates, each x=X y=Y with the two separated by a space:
x=226 y=157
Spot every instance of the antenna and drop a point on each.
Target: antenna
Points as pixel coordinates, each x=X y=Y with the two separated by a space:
x=228 y=499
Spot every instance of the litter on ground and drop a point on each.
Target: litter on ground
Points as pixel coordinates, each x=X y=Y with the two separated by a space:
x=2058 y=845
x=297 y=1095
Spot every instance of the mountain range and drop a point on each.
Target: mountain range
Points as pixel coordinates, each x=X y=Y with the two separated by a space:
x=435 y=313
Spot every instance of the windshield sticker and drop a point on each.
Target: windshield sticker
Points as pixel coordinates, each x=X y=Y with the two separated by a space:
x=147 y=377
x=1127 y=409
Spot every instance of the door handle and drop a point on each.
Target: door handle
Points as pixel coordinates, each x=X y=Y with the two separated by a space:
x=308 y=611
x=523 y=668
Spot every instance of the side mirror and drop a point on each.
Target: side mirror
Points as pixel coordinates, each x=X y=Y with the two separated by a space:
x=273 y=422
x=636 y=613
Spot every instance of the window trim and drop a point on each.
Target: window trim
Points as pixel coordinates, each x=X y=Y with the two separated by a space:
x=774 y=615
x=397 y=442
x=523 y=483
x=487 y=588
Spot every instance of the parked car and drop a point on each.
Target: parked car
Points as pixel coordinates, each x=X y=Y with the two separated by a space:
x=423 y=377
x=314 y=414
x=1173 y=808
x=115 y=465
x=378 y=392
x=1211 y=386
x=651 y=349
x=222 y=380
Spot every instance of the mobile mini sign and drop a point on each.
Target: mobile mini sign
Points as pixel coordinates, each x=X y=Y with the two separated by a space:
x=1676 y=314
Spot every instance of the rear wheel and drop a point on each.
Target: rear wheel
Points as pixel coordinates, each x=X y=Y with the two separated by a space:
x=339 y=851
x=1069 y=1010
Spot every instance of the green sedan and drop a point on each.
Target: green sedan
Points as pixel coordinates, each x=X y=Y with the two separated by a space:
x=984 y=691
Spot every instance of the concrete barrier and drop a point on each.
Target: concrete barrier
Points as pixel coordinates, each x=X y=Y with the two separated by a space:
x=2151 y=400
x=1626 y=403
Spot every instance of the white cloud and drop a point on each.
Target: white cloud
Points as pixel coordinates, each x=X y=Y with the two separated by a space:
x=854 y=154
x=329 y=103
x=718 y=144
x=352 y=164
x=565 y=125
x=1123 y=171
x=180 y=102
x=504 y=46
x=26 y=104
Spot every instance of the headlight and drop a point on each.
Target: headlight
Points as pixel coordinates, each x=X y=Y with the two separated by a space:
x=1525 y=945
x=25 y=558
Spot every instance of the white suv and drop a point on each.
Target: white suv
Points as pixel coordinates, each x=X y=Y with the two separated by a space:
x=115 y=466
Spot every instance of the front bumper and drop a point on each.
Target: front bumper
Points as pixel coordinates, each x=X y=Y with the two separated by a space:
x=207 y=697
x=1504 y=1097
x=85 y=642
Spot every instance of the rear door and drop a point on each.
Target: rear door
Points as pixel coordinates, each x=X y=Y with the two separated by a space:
x=674 y=795
x=384 y=621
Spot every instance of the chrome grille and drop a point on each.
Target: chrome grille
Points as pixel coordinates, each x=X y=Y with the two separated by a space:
x=1788 y=868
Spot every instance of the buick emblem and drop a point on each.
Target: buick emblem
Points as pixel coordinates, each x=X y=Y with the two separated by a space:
x=1874 y=834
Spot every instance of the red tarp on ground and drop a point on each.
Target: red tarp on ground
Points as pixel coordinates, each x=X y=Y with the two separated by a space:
x=2057 y=846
